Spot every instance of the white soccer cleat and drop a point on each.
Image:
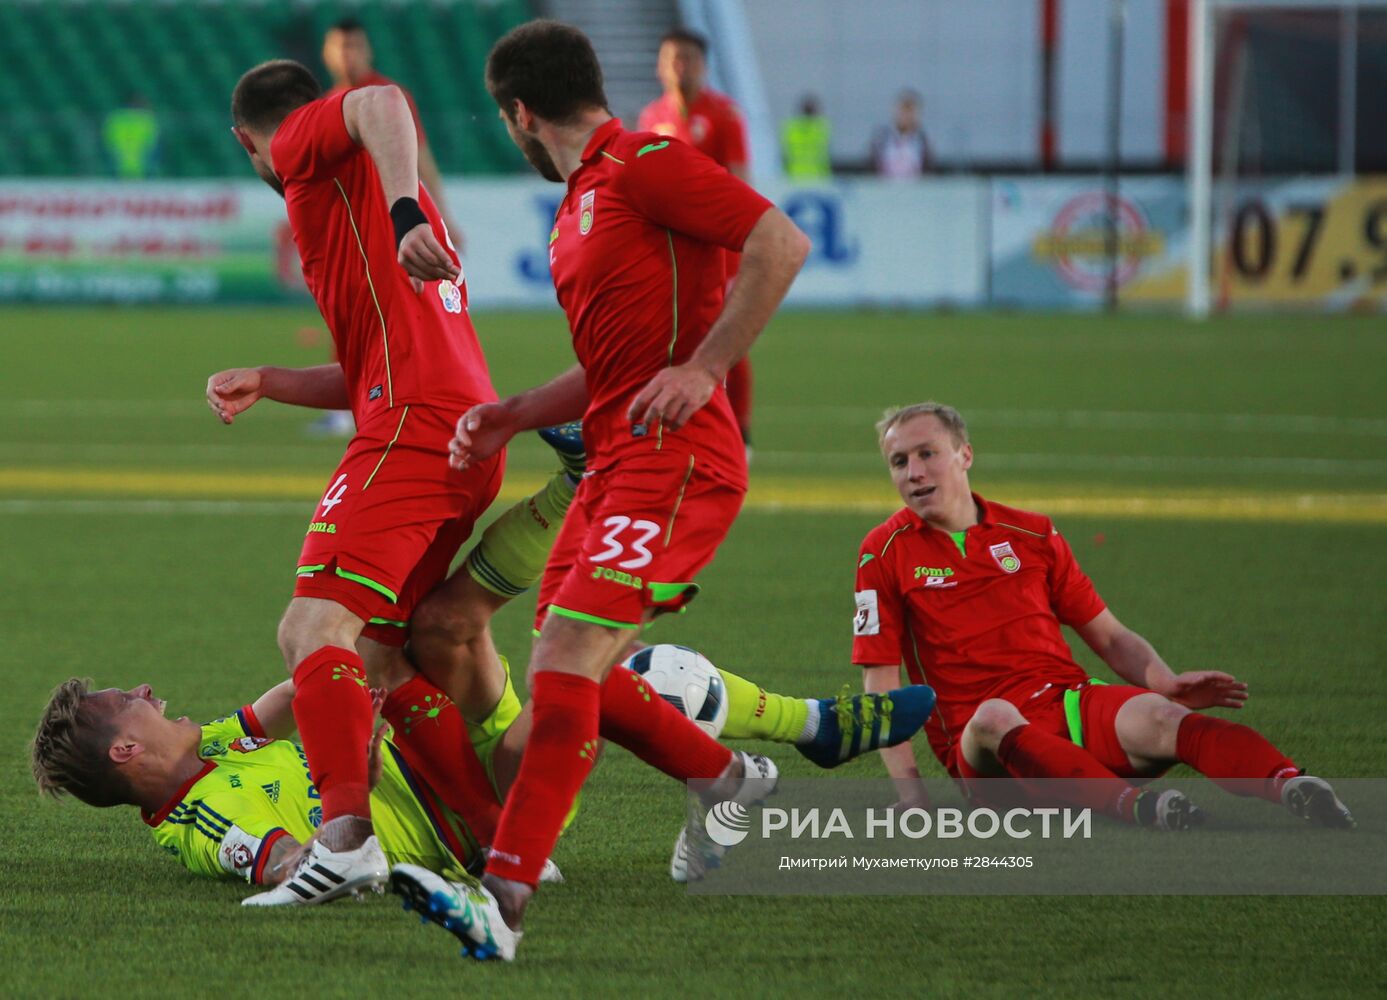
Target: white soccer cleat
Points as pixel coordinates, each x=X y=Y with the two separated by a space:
x=695 y=851
x=324 y=875
x=464 y=909
x=550 y=874
x=1175 y=813
x=1313 y=800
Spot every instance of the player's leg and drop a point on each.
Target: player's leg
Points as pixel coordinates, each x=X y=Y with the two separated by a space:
x=1155 y=733
x=828 y=731
x=332 y=709
x=1000 y=740
x=569 y=660
x=432 y=736
x=450 y=637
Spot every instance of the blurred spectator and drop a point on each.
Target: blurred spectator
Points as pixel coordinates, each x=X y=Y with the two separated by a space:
x=691 y=110
x=804 y=142
x=710 y=122
x=131 y=136
x=900 y=150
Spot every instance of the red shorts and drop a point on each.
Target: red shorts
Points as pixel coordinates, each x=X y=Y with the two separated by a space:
x=635 y=538
x=393 y=517
x=1085 y=714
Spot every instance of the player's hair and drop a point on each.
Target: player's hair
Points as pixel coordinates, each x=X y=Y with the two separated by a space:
x=267 y=93
x=71 y=748
x=348 y=25
x=550 y=66
x=686 y=36
x=946 y=415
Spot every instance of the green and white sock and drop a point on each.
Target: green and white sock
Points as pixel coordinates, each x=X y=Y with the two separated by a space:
x=754 y=713
x=510 y=557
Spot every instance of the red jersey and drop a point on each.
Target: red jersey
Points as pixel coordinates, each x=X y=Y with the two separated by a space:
x=395 y=346
x=374 y=79
x=975 y=619
x=636 y=257
x=712 y=124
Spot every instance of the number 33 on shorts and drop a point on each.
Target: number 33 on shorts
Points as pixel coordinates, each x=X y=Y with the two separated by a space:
x=626 y=538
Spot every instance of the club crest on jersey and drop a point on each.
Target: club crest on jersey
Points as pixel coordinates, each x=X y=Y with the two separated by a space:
x=1006 y=558
x=586 y=209
x=249 y=744
x=452 y=298
x=238 y=857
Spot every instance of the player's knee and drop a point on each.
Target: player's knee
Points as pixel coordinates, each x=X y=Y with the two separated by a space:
x=310 y=624
x=1165 y=716
x=992 y=720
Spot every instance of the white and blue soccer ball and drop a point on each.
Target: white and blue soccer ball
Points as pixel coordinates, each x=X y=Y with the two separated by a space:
x=687 y=680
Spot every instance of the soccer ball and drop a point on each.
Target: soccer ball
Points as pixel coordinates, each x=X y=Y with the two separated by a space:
x=684 y=678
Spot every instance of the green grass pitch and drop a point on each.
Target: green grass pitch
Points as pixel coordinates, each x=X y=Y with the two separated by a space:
x=1224 y=484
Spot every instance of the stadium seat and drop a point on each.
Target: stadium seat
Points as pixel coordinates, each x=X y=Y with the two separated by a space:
x=70 y=63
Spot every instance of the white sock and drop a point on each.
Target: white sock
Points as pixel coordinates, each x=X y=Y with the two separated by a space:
x=811 y=723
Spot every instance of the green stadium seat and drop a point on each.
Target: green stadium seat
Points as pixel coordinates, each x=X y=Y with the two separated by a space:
x=68 y=63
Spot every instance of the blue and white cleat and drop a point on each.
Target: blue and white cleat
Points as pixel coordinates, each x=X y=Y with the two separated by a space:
x=465 y=910
x=853 y=724
x=567 y=440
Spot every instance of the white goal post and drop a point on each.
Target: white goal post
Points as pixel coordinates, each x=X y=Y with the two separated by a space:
x=1199 y=169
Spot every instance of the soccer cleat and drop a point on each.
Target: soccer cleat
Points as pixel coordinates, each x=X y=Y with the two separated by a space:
x=567 y=441
x=333 y=423
x=324 y=875
x=465 y=910
x=1313 y=800
x=1175 y=813
x=696 y=851
x=853 y=724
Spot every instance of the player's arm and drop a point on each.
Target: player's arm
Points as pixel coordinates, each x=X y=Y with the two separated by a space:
x=274 y=710
x=379 y=120
x=1136 y=661
x=484 y=430
x=232 y=392
x=899 y=759
x=772 y=255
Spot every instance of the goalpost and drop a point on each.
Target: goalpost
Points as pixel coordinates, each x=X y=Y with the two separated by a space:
x=1274 y=97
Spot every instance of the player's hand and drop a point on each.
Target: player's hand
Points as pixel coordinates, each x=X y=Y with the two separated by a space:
x=481 y=432
x=673 y=396
x=424 y=259
x=234 y=391
x=1206 y=689
x=375 y=763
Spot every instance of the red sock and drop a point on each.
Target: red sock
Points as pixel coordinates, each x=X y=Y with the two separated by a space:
x=635 y=717
x=739 y=395
x=333 y=712
x=558 y=757
x=1237 y=758
x=1030 y=752
x=431 y=735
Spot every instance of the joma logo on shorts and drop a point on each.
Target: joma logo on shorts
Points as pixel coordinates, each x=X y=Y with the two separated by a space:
x=617 y=576
x=322 y=527
x=933 y=571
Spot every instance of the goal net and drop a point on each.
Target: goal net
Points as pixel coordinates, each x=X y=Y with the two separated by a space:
x=1287 y=168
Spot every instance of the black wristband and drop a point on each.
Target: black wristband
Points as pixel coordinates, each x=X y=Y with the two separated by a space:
x=406 y=214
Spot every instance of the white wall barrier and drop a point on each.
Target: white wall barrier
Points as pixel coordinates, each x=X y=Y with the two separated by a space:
x=1028 y=242
x=86 y=241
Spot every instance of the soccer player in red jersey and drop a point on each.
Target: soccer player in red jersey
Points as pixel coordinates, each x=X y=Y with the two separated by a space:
x=394 y=514
x=970 y=595
x=636 y=259
x=712 y=123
